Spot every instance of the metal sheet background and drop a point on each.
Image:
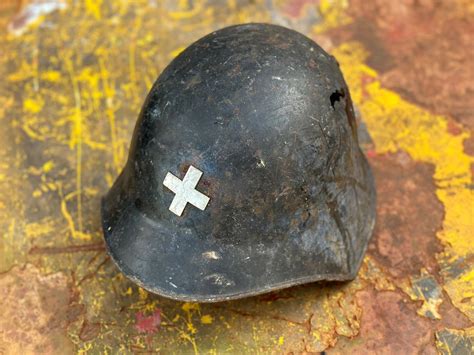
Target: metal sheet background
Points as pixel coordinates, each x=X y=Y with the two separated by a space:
x=72 y=83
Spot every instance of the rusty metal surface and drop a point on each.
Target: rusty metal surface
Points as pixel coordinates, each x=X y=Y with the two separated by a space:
x=73 y=78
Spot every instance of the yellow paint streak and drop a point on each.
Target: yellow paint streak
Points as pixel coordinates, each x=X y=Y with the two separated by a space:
x=25 y=71
x=93 y=8
x=128 y=292
x=334 y=14
x=31 y=132
x=36 y=67
x=39 y=229
x=190 y=339
x=186 y=11
x=68 y=217
x=207 y=319
x=109 y=93
x=11 y=232
x=76 y=141
x=33 y=105
x=48 y=166
x=190 y=308
x=76 y=234
x=177 y=51
x=51 y=75
x=85 y=350
x=142 y=294
x=132 y=63
x=136 y=40
x=396 y=124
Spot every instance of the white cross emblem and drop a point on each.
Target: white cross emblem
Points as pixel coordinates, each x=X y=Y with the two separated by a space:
x=185 y=191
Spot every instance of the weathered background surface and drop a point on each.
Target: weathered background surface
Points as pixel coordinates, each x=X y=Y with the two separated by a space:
x=74 y=74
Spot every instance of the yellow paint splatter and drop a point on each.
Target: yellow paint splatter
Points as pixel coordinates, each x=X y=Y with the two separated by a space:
x=207 y=319
x=190 y=308
x=38 y=229
x=33 y=105
x=24 y=71
x=186 y=11
x=281 y=340
x=87 y=347
x=93 y=7
x=334 y=14
x=51 y=75
x=128 y=292
x=142 y=294
x=48 y=166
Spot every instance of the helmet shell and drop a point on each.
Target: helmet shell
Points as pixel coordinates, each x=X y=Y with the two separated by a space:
x=264 y=113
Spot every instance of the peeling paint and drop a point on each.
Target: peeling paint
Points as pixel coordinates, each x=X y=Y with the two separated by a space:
x=425 y=288
x=454 y=341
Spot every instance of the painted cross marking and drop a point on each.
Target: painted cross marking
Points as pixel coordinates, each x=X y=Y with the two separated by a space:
x=185 y=191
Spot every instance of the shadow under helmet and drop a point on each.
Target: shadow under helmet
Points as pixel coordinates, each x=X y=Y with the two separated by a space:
x=244 y=173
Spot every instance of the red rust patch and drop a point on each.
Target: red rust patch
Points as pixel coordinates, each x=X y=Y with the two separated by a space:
x=388 y=326
x=451 y=317
x=371 y=153
x=454 y=128
x=148 y=324
x=408 y=216
x=295 y=7
x=41 y=307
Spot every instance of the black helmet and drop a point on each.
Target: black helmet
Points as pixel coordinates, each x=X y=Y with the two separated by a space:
x=244 y=174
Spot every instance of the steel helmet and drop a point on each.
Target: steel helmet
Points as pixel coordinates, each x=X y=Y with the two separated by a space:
x=244 y=173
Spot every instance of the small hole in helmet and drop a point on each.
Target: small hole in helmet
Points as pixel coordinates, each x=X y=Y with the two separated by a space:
x=336 y=96
x=138 y=203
